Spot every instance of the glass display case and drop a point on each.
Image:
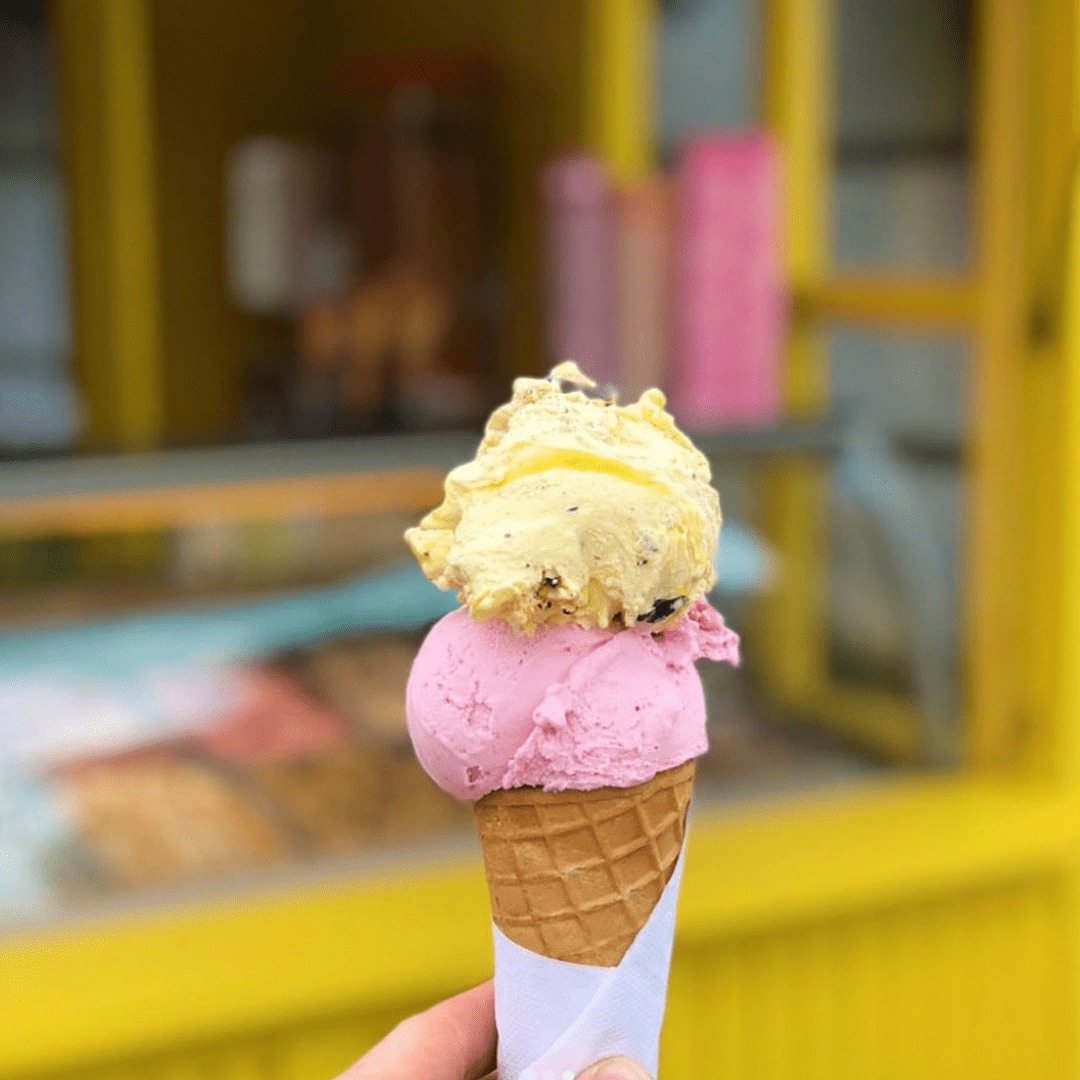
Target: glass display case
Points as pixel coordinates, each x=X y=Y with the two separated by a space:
x=231 y=709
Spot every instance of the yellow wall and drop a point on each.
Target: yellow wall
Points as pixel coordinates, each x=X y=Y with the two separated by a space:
x=901 y=930
x=1051 y=160
x=956 y=989
x=106 y=93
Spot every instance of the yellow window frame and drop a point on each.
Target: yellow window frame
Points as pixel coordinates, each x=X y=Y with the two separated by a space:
x=989 y=305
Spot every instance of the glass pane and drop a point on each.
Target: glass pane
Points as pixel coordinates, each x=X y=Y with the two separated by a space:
x=906 y=217
x=894 y=513
x=879 y=656
x=709 y=67
x=901 y=196
x=38 y=406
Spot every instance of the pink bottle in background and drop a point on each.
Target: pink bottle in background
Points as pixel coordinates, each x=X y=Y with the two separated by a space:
x=579 y=211
x=730 y=302
x=643 y=286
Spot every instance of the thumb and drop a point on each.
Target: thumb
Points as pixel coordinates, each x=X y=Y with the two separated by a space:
x=615 y=1068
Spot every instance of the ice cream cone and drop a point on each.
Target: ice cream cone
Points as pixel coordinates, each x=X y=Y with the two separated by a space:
x=575 y=875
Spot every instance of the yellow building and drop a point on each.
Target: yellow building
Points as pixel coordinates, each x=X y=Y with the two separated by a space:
x=916 y=924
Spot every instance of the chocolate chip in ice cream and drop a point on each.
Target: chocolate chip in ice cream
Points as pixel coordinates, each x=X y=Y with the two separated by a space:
x=662 y=609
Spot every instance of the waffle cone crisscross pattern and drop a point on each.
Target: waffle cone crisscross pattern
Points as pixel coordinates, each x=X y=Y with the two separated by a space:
x=574 y=875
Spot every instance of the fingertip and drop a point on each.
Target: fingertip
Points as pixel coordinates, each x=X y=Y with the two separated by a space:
x=615 y=1068
x=453 y=1040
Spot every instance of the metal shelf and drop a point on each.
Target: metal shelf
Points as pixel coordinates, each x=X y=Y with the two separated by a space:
x=81 y=495
x=60 y=477
x=816 y=438
x=334 y=477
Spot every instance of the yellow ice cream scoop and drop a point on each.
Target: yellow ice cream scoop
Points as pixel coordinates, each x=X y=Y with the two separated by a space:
x=575 y=509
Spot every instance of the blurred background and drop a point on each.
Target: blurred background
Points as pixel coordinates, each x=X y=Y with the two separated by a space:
x=264 y=271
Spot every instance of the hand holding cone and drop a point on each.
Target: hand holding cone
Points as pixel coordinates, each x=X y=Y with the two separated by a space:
x=563 y=702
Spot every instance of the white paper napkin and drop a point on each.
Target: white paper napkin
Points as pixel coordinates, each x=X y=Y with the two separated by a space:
x=555 y=1018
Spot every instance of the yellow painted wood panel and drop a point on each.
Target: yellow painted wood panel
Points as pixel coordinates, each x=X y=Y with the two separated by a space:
x=76 y=39
x=789 y=626
x=106 y=64
x=224 y=72
x=992 y=528
x=883 y=722
x=619 y=84
x=952 y=989
x=1062 y=754
x=957 y=988
x=106 y=78
x=884 y=301
x=1052 y=153
x=315 y=1050
x=134 y=987
x=132 y=254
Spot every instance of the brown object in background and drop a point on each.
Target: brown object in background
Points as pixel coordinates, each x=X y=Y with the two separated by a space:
x=575 y=875
x=414 y=806
x=423 y=189
x=331 y=340
x=320 y=336
x=365 y=681
x=360 y=797
x=163 y=821
x=332 y=798
x=360 y=545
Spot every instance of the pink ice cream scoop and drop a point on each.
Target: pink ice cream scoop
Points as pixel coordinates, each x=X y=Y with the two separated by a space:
x=565 y=709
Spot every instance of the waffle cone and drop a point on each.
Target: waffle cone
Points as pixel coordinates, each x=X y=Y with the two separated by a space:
x=574 y=875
